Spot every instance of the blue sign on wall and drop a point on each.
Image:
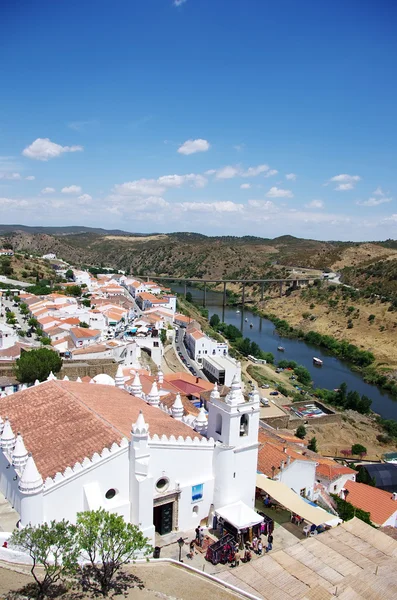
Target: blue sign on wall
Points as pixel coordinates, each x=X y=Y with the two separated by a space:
x=197 y=492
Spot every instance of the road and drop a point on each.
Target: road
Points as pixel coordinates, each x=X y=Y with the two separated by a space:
x=23 y=284
x=180 y=347
x=22 y=323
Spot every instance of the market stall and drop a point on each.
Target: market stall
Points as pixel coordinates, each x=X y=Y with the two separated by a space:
x=240 y=520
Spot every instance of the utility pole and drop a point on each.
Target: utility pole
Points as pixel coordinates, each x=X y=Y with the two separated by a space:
x=243 y=295
x=224 y=294
x=205 y=294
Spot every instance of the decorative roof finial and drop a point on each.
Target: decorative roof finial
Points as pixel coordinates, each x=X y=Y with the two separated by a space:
x=153 y=398
x=177 y=409
x=140 y=428
x=119 y=379
x=201 y=422
x=20 y=454
x=51 y=377
x=7 y=439
x=31 y=481
x=160 y=377
x=136 y=387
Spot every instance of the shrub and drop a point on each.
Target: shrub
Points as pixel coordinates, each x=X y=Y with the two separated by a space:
x=358 y=449
x=312 y=445
x=301 y=432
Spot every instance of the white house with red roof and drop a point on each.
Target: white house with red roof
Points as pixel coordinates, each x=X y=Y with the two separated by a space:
x=70 y=446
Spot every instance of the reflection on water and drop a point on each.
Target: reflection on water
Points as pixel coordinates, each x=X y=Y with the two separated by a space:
x=330 y=376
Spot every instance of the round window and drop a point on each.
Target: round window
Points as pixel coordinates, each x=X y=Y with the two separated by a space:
x=110 y=494
x=162 y=484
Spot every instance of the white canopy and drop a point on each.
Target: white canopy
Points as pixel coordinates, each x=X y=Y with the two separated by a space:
x=293 y=502
x=239 y=515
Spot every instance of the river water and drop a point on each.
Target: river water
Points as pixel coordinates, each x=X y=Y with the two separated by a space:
x=330 y=375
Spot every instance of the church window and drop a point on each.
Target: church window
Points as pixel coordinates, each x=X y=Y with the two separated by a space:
x=195 y=510
x=110 y=494
x=244 y=425
x=218 y=424
x=162 y=484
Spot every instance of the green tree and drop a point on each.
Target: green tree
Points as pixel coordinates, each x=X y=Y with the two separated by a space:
x=364 y=477
x=53 y=550
x=69 y=274
x=302 y=375
x=312 y=445
x=189 y=297
x=108 y=542
x=33 y=322
x=45 y=341
x=86 y=302
x=371 y=318
x=163 y=336
x=37 y=364
x=301 y=432
x=214 y=321
x=84 y=325
x=73 y=290
x=359 y=449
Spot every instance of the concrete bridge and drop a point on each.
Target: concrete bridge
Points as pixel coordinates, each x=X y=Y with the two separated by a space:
x=295 y=282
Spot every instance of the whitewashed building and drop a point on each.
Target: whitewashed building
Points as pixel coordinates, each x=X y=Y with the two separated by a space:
x=84 y=446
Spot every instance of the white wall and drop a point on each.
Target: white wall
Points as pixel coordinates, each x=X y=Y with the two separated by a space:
x=298 y=475
x=86 y=490
x=334 y=487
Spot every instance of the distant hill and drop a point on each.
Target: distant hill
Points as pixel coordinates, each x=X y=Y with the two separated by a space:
x=188 y=254
x=73 y=229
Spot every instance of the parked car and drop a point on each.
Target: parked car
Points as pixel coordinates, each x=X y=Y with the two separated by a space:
x=178 y=348
x=28 y=334
x=274 y=393
x=265 y=386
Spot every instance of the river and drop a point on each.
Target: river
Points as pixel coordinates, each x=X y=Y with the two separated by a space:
x=330 y=375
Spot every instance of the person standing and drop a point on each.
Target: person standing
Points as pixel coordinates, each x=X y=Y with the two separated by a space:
x=269 y=542
x=197 y=532
x=237 y=558
x=201 y=537
x=260 y=548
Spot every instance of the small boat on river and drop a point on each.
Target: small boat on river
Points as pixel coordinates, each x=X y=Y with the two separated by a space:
x=317 y=362
x=246 y=320
x=281 y=348
x=237 y=312
x=251 y=325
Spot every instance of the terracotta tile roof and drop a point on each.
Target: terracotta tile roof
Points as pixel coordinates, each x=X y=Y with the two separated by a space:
x=15 y=350
x=83 y=332
x=62 y=422
x=332 y=470
x=188 y=406
x=182 y=318
x=187 y=384
x=94 y=349
x=378 y=503
x=272 y=453
x=71 y=321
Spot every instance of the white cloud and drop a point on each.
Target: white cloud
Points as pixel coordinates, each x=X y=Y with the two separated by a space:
x=378 y=192
x=290 y=176
x=44 y=149
x=178 y=2
x=85 y=199
x=373 y=201
x=276 y=192
x=48 y=190
x=227 y=172
x=315 y=204
x=10 y=176
x=71 y=189
x=193 y=146
x=13 y=203
x=254 y=171
x=157 y=187
x=231 y=171
x=30 y=178
x=265 y=205
x=345 y=182
x=245 y=186
x=178 y=180
x=391 y=219
x=220 y=207
x=343 y=187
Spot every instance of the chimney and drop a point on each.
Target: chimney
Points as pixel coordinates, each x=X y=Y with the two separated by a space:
x=282 y=465
x=285 y=449
x=197 y=379
x=394 y=496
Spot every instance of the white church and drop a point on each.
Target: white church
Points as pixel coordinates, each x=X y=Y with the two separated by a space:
x=69 y=446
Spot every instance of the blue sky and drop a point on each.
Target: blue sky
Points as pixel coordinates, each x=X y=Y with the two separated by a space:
x=234 y=117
